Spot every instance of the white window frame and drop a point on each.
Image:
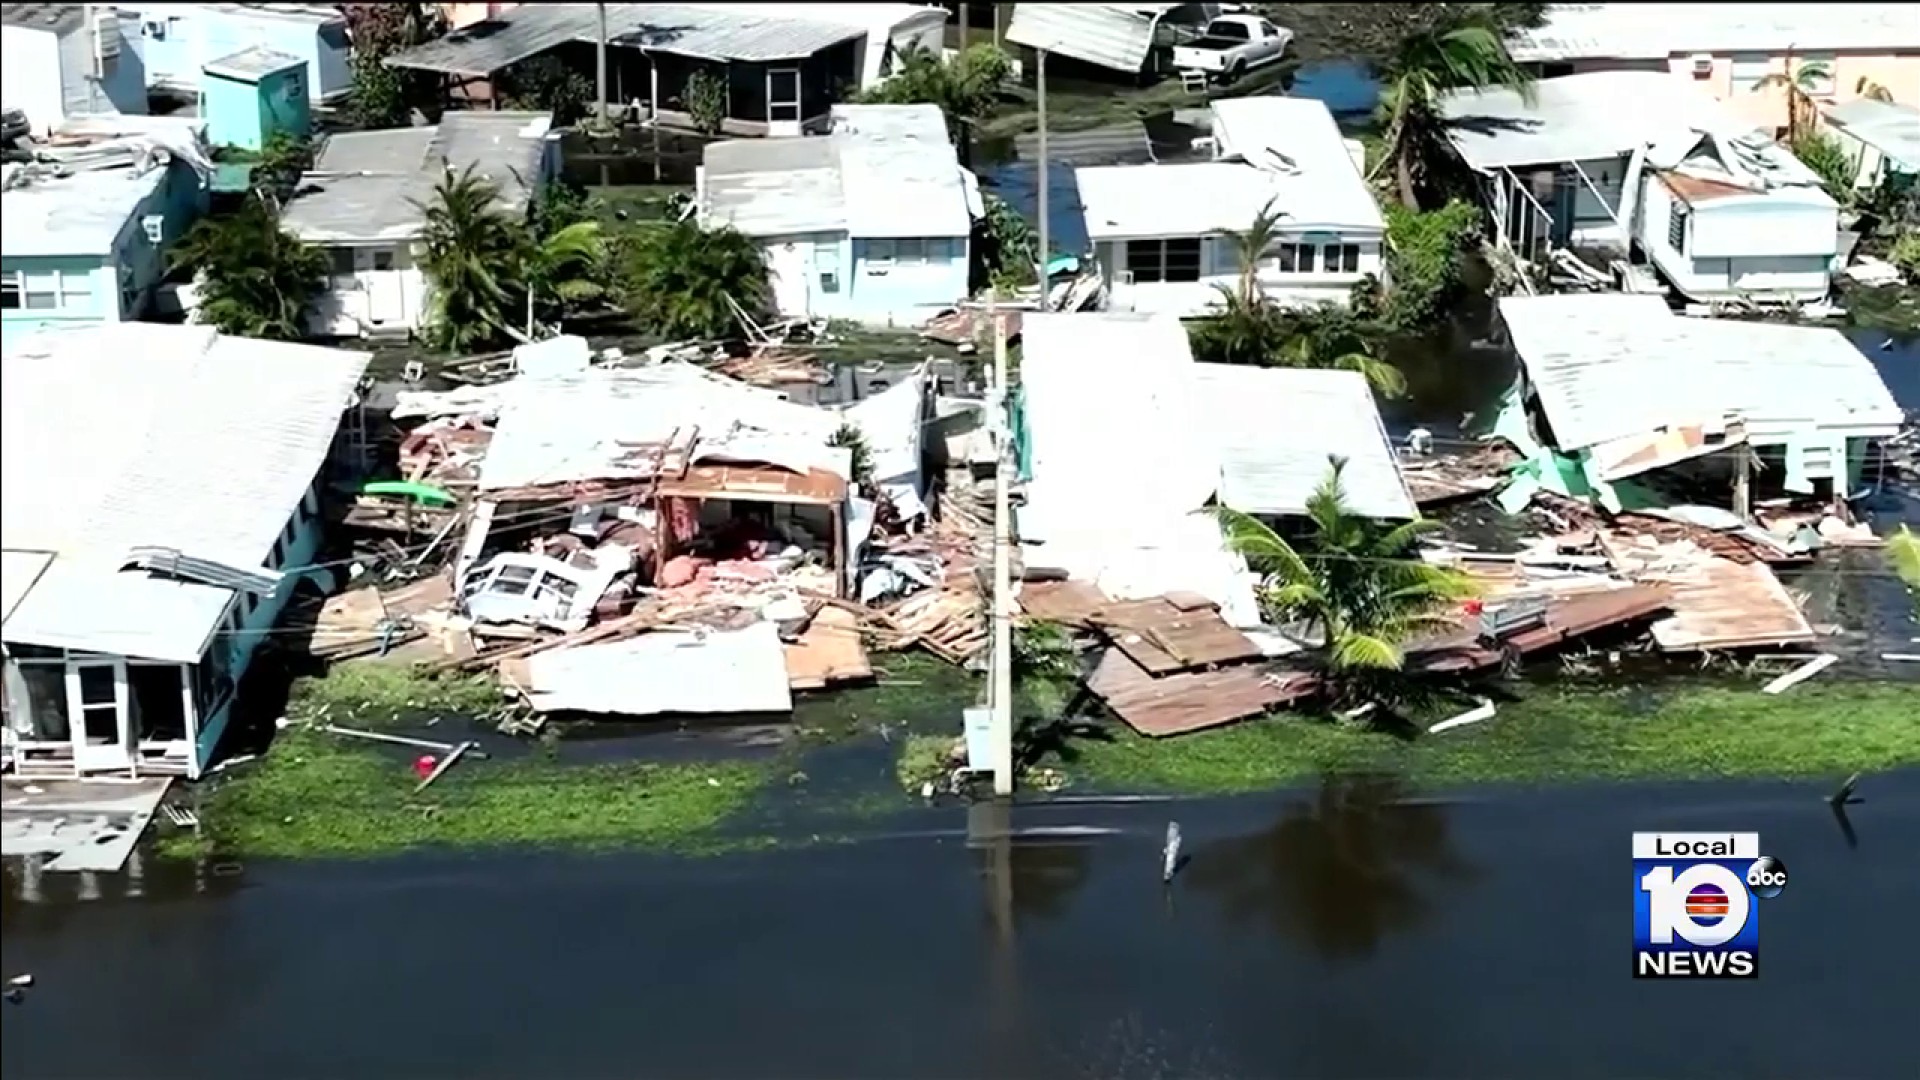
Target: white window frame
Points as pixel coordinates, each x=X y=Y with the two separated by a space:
x=1831 y=62
x=68 y=297
x=1741 y=67
x=1159 y=264
x=16 y=282
x=1304 y=256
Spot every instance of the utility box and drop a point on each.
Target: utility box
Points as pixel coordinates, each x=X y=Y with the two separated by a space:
x=252 y=95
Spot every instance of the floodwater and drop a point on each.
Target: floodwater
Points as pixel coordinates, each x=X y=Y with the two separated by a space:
x=1353 y=930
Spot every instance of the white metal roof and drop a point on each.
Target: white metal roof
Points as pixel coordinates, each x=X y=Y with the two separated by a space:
x=1295 y=158
x=1607 y=366
x=371 y=185
x=1889 y=127
x=81 y=214
x=135 y=434
x=1121 y=469
x=726 y=32
x=738 y=671
x=1641 y=31
x=604 y=423
x=1598 y=114
x=1275 y=428
x=882 y=171
x=1117 y=36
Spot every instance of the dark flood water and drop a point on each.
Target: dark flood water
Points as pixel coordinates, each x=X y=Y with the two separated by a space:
x=1349 y=931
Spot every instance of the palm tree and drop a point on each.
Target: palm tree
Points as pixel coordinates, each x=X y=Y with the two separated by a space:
x=472 y=249
x=565 y=269
x=1463 y=52
x=966 y=89
x=1357 y=585
x=1304 y=351
x=1251 y=246
x=255 y=279
x=1798 y=82
x=684 y=279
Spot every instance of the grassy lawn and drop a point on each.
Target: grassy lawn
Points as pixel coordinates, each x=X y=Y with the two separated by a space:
x=1562 y=734
x=319 y=795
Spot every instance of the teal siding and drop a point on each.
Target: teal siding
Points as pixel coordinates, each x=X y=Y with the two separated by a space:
x=246 y=114
x=115 y=289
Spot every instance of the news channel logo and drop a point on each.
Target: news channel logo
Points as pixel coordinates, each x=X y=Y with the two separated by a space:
x=1695 y=901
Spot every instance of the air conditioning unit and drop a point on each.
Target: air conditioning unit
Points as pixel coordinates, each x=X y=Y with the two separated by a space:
x=1702 y=64
x=155 y=226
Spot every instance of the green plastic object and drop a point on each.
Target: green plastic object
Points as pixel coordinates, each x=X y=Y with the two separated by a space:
x=425 y=493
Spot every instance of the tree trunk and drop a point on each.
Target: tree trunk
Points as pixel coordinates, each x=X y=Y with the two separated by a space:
x=1403 y=178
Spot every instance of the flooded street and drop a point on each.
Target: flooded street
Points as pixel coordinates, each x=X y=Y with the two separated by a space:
x=1343 y=932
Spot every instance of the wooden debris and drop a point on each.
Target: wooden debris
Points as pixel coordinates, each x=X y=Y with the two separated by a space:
x=1800 y=674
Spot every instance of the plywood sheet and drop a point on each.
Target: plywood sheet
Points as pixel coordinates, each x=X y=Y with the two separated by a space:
x=1193 y=701
x=829 y=653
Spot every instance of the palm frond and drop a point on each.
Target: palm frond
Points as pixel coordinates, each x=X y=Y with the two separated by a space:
x=1362 y=651
x=1265 y=550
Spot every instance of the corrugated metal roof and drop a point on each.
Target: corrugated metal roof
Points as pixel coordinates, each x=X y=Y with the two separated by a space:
x=1626 y=32
x=606 y=423
x=81 y=214
x=1608 y=366
x=1889 y=127
x=1275 y=428
x=58 y=18
x=252 y=64
x=1598 y=114
x=1316 y=186
x=884 y=170
x=718 y=671
x=369 y=185
x=1121 y=467
x=1117 y=36
x=723 y=32
x=192 y=441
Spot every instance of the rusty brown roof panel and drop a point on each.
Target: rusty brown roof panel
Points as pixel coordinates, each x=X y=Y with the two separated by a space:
x=757 y=483
x=1192 y=701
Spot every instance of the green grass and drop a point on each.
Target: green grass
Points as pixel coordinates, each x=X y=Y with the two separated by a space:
x=1562 y=734
x=319 y=795
x=372 y=693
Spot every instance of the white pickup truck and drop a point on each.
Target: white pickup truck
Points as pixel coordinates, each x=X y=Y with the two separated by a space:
x=1232 y=46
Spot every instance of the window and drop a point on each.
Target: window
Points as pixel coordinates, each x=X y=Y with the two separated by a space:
x=1749 y=69
x=1677 y=229
x=42 y=292
x=1340 y=259
x=829 y=281
x=76 y=290
x=880 y=252
x=1815 y=74
x=383 y=259
x=513 y=580
x=1294 y=258
x=10 y=290
x=910 y=251
x=1164 y=260
x=342 y=261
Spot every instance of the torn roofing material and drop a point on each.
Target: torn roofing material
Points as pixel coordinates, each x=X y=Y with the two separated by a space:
x=1609 y=366
x=1626 y=32
x=667 y=672
x=615 y=423
x=1115 y=36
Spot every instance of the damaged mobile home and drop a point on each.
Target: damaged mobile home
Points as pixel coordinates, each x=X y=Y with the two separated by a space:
x=631 y=526
x=151 y=547
x=1638 y=169
x=1133 y=42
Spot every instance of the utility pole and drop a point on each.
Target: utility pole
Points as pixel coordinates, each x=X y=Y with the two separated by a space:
x=1001 y=696
x=600 y=66
x=963 y=26
x=1046 y=250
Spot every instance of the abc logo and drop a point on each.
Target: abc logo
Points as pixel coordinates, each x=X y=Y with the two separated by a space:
x=1767 y=877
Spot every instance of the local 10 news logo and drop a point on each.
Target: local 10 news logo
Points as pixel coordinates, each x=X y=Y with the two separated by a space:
x=1695 y=904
